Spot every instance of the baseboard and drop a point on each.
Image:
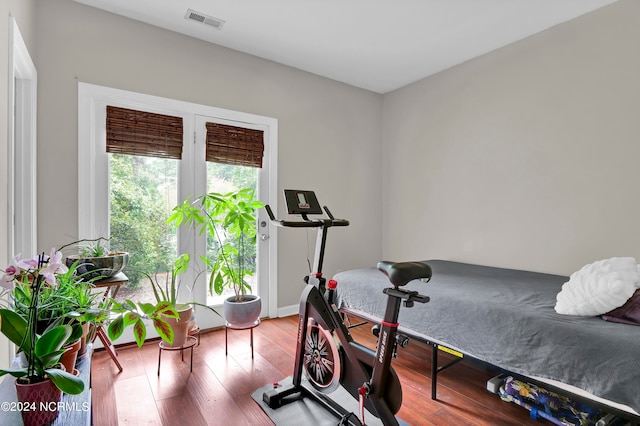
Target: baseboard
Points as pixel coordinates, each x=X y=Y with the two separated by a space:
x=288 y=311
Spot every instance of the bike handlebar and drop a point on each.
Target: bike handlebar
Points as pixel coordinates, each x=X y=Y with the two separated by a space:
x=307 y=223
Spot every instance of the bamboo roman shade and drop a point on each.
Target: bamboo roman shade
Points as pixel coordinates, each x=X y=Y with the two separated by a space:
x=143 y=133
x=234 y=145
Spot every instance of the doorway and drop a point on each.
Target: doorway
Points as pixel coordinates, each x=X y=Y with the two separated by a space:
x=191 y=178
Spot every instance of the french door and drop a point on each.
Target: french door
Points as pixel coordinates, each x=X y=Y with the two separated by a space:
x=222 y=178
x=193 y=177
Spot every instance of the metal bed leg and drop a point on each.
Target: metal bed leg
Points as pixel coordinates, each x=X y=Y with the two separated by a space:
x=434 y=364
x=434 y=370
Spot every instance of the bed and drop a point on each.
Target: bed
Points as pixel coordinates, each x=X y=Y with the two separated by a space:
x=506 y=318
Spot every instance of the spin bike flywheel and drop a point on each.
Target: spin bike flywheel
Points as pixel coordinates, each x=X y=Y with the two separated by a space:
x=322 y=366
x=321 y=359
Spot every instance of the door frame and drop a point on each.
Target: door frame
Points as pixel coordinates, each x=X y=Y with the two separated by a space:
x=93 y=162
x=21 y=156
x=22 y=176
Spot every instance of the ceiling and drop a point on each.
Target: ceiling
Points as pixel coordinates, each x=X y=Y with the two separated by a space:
x=378 y=45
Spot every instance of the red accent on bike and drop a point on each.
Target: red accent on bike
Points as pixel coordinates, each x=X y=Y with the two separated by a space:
x=362 y=391
x=390 y=324
x=332 y=284
x=317 y=274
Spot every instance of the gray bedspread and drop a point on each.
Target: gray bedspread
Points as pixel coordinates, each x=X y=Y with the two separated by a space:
x=506 y=318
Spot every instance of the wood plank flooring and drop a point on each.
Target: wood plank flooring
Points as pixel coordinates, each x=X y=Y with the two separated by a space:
x=218 y=391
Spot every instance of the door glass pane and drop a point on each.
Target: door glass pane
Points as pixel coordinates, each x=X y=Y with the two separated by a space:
x=224 y=178
x=142 y=192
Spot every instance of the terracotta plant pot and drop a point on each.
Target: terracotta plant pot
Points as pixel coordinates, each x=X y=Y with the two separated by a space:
x=70 y=355
x=43 y=397
x=180 y=327
x=86 y=328
x=192 y=321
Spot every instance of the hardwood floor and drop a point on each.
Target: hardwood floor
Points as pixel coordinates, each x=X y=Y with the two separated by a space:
x=218 y=391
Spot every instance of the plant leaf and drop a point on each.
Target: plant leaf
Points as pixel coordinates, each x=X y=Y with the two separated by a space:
x=76 y=332
x=166 y=309
x=181 y=263
x=128 y=304
x=116 y=328
x=164 y=330
x=66 y=382
x=18 y=372
x=14 y=327
x=52 y=341
x=218 y=284
x=50 y=359
x=130 y=318
x=140 y=332
x=148 y=308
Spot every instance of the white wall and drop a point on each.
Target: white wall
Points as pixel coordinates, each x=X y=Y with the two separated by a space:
x=526 y=157
x=329 y=133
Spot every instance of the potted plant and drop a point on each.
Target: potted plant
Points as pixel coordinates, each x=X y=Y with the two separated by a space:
x=79 y=307
x=135 y=313
x=72 y=346
x=230 y=222
x=169 y=317
x=94 y=261
x=87 y=310
x=40 y=353
x=169 y=292
x=71 y=301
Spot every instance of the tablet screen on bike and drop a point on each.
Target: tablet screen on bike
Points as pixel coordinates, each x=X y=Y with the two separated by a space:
x=299 y=202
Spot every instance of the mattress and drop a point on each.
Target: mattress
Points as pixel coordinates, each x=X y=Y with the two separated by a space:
x=506 y=318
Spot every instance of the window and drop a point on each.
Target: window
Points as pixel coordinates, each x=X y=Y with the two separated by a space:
x=144 y=150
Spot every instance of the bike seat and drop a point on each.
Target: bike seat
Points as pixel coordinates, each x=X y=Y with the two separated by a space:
x=400 y=273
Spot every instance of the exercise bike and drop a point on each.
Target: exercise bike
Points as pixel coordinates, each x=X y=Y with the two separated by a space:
x=366 y=375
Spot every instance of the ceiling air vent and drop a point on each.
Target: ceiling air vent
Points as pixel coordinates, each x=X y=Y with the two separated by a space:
x=192 y=15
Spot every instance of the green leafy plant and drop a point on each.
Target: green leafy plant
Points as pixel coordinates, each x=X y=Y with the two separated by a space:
x=81 y=304
x=230 y=221
x=166 y=307
x=169 y=291
x=42 y=352
x=94 y=261
x=71 y=298
x=96 y=247
x=133 y=314
x=96 y=250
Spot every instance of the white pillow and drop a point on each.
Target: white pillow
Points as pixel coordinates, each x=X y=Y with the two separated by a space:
x=599 y=287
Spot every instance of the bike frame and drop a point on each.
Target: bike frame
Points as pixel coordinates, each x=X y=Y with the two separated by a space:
x=360 y=357
x=367 y=373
